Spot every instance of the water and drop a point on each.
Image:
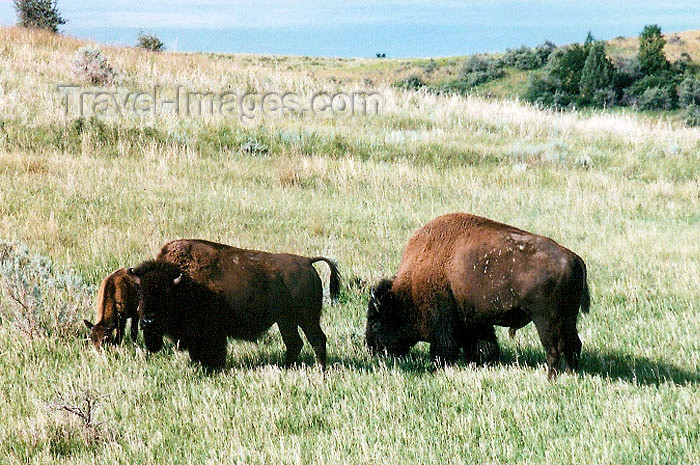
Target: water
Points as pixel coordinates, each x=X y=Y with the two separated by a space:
x=361 y=28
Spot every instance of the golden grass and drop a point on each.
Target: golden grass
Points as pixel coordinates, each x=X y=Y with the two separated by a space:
x=676 y=43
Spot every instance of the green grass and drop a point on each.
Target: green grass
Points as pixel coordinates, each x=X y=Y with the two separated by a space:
x=620 y=189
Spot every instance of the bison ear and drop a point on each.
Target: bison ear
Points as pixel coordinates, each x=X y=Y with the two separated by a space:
x=178 y=280
x=88 y=324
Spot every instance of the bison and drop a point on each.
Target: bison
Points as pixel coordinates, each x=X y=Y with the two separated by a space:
x=117 y=302
x=461 y=274
x=200 y=293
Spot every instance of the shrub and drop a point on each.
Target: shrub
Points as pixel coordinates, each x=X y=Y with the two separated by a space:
x=544 y=51
x=456 y=86
x=565 y=66
x=90 y=65
x=527 y=58
x=545 y=91
x=430 y=66
x=480 y=63
x=689 y=92
x=41 y=14
x=254 y=146
x=558 y=86
x=410 y=83
x=38 y=299
x=692 y=115
x=477 y=69
x=149 y=42
x=656 y=98
x=663 y=84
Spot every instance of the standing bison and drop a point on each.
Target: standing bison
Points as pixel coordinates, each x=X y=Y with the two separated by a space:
x=461 y=274
x=199 y=293
x=117 y=301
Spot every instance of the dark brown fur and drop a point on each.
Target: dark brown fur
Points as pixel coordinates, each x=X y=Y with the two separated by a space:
x=230 y=292
x=461 y=274
x=117 y=301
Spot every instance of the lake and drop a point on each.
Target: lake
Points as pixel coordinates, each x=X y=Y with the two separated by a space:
x=361 y=28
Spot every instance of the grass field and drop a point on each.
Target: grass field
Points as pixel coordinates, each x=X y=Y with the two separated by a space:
x=93 y=194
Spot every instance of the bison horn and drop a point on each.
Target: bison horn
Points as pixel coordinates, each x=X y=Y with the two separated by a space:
x=373 y=301
x=178 y=279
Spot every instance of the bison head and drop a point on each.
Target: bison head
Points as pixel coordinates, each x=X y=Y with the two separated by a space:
x=388 y=327
x=100 y=334
x=158 y=285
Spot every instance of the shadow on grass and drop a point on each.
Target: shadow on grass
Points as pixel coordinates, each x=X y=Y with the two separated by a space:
x=616 y=366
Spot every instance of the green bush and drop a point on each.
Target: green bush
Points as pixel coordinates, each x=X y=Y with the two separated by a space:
x=544 y=51
x=692 y=115
x=410 y=83
x=38 y=299
x=565 y=67
x=656 y=98
x=477 y=69
x=544 y=90
x=689 y=92
x=559 y=85
x=664 y=88
x=527 y=58
x=149 y=42
x=41 y=14
x=480 y=64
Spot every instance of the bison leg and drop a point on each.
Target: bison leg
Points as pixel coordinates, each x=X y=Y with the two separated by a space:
x=549 y=336
x=121 y=325
x=317 y=339
x=571 y=346
x=211 y=353
x=134 y=328
x=153 y=341
x=444 y=348
x=480 y=345
x=290 y=336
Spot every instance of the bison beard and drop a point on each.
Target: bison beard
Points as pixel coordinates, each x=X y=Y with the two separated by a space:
x=173 y=305
x=199 y=293
x=461 y=274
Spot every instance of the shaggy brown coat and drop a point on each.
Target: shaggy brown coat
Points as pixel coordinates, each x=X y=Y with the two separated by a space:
x=117 y=301
x=199 y=293
x=461 y=274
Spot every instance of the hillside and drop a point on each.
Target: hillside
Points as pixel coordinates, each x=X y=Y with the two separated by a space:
x=96 y=192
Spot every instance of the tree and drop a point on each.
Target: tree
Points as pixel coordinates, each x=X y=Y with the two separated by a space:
x=566 y=65
x=41 y=14
x=652 y=59
x=596 y=75
x=149 y=42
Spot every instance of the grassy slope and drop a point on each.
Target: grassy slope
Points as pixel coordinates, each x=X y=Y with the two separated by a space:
x=620 y=189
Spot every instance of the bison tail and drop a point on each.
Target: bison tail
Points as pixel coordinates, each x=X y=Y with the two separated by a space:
x=585 y=299
x=585 y=296
x=335 y=276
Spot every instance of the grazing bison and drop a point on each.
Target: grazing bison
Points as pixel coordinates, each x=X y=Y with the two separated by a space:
x=199 y=293
x=117 y=301
x=461 y=274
